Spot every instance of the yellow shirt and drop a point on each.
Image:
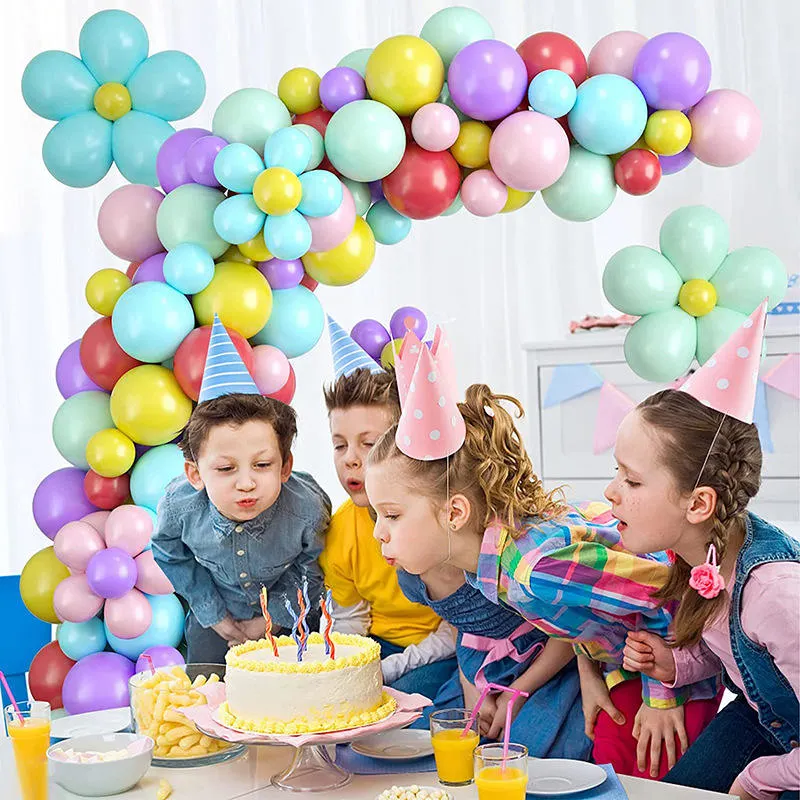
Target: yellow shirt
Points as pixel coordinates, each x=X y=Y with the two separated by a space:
x=355 y=570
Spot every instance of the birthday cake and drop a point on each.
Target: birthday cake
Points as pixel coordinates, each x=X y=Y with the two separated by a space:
x=323 y=692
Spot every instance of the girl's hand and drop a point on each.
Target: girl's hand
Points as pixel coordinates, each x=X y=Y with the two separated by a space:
x=486 y=714
x=499 y=721
x=645 y=652
x=740 y=792
x=651 y=728
x=595 y=696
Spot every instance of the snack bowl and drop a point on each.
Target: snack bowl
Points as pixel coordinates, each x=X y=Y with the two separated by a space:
x=416 y=792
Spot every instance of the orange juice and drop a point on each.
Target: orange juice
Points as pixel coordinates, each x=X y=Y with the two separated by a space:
x=30 y=742
x=453 y=754
x=496 y=783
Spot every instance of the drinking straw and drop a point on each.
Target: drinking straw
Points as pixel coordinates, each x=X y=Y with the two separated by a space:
x=146 y=657
x=11 y=698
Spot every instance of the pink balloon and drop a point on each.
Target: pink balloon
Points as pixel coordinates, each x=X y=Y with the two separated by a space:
x=329 y=232
x=529 y=151
x=726 y=128
x=483 y=193
x=74 y=601
x=127 y=222
x=129 y=528
x=151 y=578
x=435 y=127
x=615 y=53
x=75 y=544
x=97 y=519
x=270 y=368
x=128 y=616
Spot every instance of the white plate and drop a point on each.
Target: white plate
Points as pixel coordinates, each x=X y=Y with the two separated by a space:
x=92 y=723
x=401 y=745
x=550 y=777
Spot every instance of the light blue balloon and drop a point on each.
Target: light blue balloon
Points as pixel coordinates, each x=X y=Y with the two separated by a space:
x=80 y=639
x=357 y=60
x=187 y=215
x=112 y=44
x=609 y=114
x=362 y=197
x=322 y=193
x=55 y=84
x=661 y=346
x=552 y=92
x=452 y=29
x=169 y=84
x=365 y=140
x=454 y=207
x=78 y=419
x=288 y=148
x=586 y=188
x=287 y=236
x=135 y=141
x=237 y=166
x=166 y=627
x=238 y=219
x=188 y=268
x=296 y=322
x=250 y=116
x=153 y=471
x=317 y=145
x=77 y=151
x=387 y=225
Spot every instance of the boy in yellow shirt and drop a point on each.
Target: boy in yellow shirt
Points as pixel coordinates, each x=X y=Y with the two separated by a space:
x=417 y=647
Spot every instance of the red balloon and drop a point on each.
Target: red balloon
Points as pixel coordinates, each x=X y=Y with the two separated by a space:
x=103 y=360
x=48 y=670
x=317 y=119
x=424 y=183
x=564 y=123
x=132 y=267
x=551 y=50
x=286 y=392
x=190 y=358
x=309 y=282
x=637 y=171
x=407 y=126
x=326 y=165
x=106 y=493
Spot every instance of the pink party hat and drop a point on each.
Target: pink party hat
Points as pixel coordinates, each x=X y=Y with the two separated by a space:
x=727 y=381
x=405 y=360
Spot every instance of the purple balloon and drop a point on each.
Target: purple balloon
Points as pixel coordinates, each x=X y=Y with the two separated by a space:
x=340 y=86
x=673 y=71
x=487 y=79
x=376 y=191
x=60 y=499
x=151 y=269
x=398 y=325
x=97 y=682
x=70 y=375
x=141 y=449
x=200 y=157
x=111 y=573
x=371 y=336
x=672 y=164
x=282 y=274
x=170 y=161
x=162 y=655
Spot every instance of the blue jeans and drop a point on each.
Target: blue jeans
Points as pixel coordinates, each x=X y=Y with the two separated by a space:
x=203 y=645
x=731 y=741
x=425 y=680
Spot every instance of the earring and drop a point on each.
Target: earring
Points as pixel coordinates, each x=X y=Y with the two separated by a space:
x=705 y=578
x=452 y=526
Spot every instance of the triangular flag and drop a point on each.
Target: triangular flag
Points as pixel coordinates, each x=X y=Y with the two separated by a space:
x=611 y=409
x=761 y=419
x=571 y=380
x=785 y=376
x=348 y=355
x=225 y=372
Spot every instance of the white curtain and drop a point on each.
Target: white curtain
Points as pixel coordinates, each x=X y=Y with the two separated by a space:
x=498 y=282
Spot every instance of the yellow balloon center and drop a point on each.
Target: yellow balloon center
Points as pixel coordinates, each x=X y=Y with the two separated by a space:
x=668 y=132
x=277 y=191
x=112 y=101
x=697 y=297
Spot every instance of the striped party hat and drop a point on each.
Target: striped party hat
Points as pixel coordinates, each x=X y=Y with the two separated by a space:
x=348 y=355
x=225 y=372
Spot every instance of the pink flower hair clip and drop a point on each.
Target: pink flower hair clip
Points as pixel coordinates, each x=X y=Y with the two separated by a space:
x=705 y=578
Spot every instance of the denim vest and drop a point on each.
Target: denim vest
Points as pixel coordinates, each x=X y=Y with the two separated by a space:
x=767 y=688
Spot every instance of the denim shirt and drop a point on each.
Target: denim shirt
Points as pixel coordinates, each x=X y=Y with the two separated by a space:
x=219 y=565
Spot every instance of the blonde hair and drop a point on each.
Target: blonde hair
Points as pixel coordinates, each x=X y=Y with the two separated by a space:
x=492 y=467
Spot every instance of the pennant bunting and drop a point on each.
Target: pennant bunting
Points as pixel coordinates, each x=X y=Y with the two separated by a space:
x=761 y=418
x=611 y=409
x=785 y=376
x=569 y=381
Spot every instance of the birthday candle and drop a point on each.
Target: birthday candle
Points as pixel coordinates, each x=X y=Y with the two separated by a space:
x=306 y=609
x=295 y=635
x=268 y=620
x=324 y=602
x=302 y=628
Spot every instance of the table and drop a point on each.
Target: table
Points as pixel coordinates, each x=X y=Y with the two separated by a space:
x=252 y=771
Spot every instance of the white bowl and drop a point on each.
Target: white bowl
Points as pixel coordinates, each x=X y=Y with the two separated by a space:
x=105 y=777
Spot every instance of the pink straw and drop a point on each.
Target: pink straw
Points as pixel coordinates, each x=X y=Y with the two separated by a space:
x=146 y=657
x=11 y=697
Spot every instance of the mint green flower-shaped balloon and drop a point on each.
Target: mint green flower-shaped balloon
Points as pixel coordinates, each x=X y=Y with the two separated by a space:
x=111 y=104
x=692 y=295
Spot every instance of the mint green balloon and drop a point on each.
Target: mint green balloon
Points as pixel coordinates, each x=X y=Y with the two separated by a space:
x=78 y=419
x=451 y=29
x=585 y=190
x=660 y=347
x=747 y=276
x=187 y=215
x=714 y=329
x=317 y=145
x=446 y=98
x=357 y=60
x=362 y=197
x=695 y=239
x=250 y=116
x=639 y=280
x=454 y=207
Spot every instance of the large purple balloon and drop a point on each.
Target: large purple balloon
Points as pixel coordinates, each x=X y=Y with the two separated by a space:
x=200 y=159
x=371 y=336
x=111 y=573
x=97 y=682
x=70 y=375
x=151 y=269
x=376 y=191
x=673 y=71
x=340 y=86
x=282 y=274
x=60 y=499
x=404 y=316
x=487 y=79
x=171 y=159
x=162 y=655
x=672 y=164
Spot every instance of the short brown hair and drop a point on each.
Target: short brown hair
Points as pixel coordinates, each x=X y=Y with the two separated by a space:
x=236 y=410
x=363 y=388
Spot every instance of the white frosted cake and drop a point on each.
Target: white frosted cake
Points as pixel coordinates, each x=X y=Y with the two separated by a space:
x=269 y=694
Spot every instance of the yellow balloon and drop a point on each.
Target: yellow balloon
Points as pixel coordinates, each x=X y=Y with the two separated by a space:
x=405 y=73
x=110 y=453
x=697 y=297
x=255 y=248
x=299 y=90
x=240 y=295
x=516 y=200
x=112 y=101
x=278 y=191
x=149 y=406
x=668 y=132
x=233 y=253
x=390 y=349
x=104 y=288
x=346 y=263
x=471 y=148
x=38 y=582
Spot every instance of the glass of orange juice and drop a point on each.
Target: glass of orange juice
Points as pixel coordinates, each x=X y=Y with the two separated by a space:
x=498 y=777
x=30 y=736
x=454 y=739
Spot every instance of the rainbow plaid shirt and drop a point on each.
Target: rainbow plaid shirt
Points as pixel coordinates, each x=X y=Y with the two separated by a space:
x=572 y=578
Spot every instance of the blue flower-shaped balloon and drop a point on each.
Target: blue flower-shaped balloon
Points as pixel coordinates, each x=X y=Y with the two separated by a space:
x=111 y=104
